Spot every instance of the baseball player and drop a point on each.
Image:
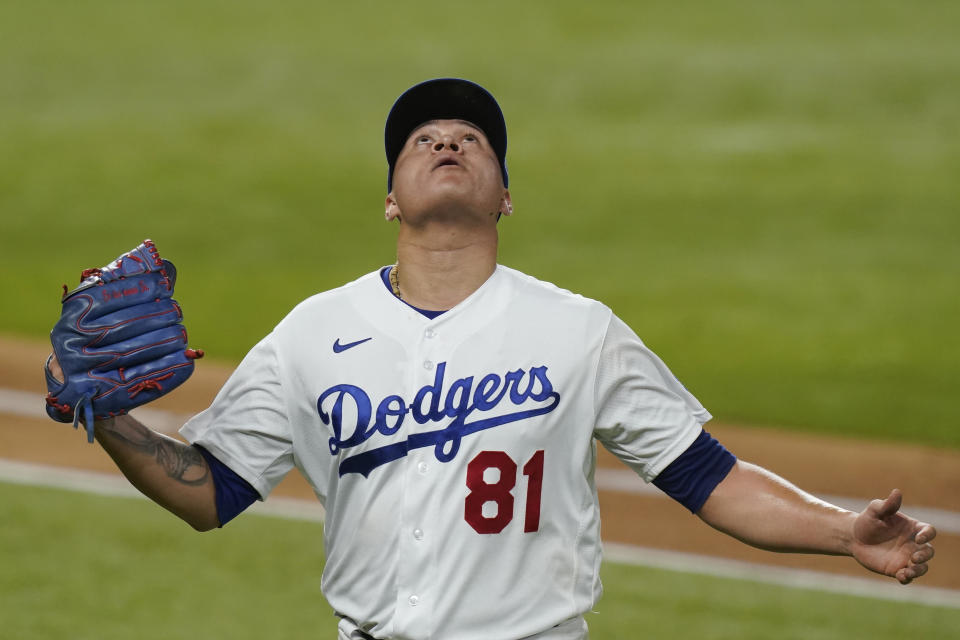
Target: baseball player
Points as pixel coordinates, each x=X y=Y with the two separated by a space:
x=447 y=409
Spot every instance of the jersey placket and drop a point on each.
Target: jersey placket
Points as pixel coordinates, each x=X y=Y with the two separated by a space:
x=416 y=575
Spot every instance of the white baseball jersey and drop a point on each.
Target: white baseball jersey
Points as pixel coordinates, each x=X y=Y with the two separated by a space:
x=455 y=456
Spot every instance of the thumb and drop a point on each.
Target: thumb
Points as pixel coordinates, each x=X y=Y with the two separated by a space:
x=889 y=506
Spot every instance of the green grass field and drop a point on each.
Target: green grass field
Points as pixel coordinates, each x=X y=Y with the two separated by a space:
x=89 y=567
x=768 y=194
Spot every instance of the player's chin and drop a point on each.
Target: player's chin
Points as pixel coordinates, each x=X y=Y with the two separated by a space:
x=449 y=199
x=468 y=194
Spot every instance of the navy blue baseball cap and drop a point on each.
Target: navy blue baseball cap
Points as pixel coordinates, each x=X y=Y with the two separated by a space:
x=444 y=99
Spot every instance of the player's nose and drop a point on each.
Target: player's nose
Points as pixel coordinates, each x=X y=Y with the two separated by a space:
x=446 y=142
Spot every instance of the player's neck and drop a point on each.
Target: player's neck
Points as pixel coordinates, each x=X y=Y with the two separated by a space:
x=438 y=272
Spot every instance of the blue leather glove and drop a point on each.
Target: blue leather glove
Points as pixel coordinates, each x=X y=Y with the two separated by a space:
x=120 y=340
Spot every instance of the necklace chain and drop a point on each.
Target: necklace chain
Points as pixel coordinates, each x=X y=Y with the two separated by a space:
x=395 y=280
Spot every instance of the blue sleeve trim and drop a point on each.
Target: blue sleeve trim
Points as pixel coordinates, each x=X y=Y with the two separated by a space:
x=234 y=494
x=692 y=477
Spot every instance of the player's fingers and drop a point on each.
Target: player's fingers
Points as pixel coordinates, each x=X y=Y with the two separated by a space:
x=904 y=576
x=926 y=534
x=918 y=566
x=923 y=555
x=918 y=570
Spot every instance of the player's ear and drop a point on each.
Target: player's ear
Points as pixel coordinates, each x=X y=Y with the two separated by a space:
x=391 y=208
x=506 y=204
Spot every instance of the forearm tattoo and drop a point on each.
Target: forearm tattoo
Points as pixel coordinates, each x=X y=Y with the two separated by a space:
x=181 y=462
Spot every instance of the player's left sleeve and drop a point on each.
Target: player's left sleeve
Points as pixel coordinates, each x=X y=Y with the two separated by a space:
x=644 y=416
x=692 y=477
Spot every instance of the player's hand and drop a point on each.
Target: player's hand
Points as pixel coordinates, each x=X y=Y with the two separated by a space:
x=54 y=367
x=889 y=542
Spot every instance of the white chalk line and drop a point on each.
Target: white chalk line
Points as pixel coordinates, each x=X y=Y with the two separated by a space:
x=623 y=480
x=115 y=485
x=780 y=576
x=31 y=405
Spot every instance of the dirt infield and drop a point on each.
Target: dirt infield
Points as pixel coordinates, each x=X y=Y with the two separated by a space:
x=822 y=465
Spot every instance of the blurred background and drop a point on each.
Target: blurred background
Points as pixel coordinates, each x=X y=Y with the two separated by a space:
x=766 y=193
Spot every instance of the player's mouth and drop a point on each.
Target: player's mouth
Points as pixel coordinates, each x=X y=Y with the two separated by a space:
x=446 y=161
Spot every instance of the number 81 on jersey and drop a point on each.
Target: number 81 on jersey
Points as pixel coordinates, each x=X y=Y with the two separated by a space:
x=500 y=494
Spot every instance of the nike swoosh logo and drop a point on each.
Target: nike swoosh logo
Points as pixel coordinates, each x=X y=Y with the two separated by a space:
x=340 y=348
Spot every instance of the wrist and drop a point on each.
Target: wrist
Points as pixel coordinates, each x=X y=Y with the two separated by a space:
x=847 y=532
x=105 y=425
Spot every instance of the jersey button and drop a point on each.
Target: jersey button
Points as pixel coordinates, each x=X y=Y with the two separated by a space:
x=429 y=333
x=418 y=534
x=422 y=467
x=413 y=600
x=427 y=365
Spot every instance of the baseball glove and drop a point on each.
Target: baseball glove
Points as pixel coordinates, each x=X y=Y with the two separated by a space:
x=120 y=340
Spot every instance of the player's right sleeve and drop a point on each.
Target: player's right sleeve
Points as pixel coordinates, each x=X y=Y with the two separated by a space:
x=645 y=416
x=246 y=427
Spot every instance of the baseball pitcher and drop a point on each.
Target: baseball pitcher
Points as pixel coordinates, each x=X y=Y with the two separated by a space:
x=445 y=408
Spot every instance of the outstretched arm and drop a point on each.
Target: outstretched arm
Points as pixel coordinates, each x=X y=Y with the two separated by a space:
x=765 y=511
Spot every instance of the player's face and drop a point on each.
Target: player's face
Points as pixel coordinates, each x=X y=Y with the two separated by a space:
x=447 y=168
